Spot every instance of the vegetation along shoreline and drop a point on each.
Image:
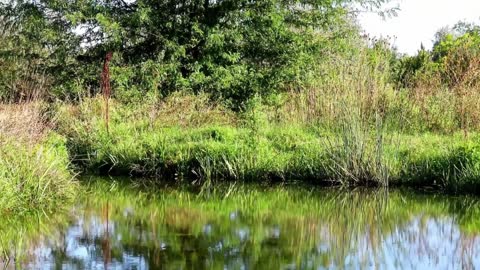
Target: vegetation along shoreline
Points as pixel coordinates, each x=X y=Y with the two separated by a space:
x=206 y=92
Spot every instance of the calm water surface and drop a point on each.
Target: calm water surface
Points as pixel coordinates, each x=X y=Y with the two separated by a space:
x=245 y=227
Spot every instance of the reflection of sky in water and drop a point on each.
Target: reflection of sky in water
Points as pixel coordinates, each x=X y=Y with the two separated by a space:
x=440 y=247
x=423 y=243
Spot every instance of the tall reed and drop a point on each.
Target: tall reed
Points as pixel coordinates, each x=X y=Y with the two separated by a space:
x=352 y=103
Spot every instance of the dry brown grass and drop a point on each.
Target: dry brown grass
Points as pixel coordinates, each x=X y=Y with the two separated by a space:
x=350 y=84
x=24 y=122
x=176 y=110
x=429 y=105
x=435 y=103
x=190 y=111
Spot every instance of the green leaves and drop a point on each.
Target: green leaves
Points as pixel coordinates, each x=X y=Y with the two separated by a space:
x=231 y=49
x=454 y=60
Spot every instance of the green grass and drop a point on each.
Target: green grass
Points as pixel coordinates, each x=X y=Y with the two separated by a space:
x=34 y=178
x=253 y=149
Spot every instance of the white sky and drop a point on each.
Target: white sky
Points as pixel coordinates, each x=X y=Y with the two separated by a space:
x=419 y=20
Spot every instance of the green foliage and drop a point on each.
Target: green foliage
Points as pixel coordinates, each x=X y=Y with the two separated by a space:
x=36 y=52
x=459 y=58
x=36 y=178
x=230 y=49
x=453 y=61
x=411 y=69
x=256 y=150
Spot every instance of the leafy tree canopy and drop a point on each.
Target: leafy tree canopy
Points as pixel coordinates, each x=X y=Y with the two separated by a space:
x=232 y=49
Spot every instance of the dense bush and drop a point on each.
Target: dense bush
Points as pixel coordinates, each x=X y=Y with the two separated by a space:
x=453 y=62
x=232 y=49
x=36 y=53
x=450 y=71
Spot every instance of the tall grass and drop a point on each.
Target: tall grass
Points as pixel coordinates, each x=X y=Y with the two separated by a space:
x=34 y=178
x=354 y=153
x=34 y=163
x=351 y=127
x=25 y=121
x=358 y=104
x=353 y=101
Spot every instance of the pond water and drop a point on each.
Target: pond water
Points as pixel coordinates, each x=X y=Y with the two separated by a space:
x=117 y=226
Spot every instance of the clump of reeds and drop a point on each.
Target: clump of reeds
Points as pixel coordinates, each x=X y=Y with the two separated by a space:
x=352 y=103
x=355 y=155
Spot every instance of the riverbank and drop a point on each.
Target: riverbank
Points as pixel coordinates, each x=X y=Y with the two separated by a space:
x=208 y=146
x=263 y=91
x=188 y=141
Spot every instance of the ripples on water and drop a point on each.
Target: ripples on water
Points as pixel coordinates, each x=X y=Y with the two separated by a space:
x=276 y=228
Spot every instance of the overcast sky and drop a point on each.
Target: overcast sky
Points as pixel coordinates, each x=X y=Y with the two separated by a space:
x=419 y=20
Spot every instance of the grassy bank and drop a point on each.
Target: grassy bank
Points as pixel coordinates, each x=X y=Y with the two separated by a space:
x=187 y=138
x=34 y=163
x=351 y=129
x=213 y=146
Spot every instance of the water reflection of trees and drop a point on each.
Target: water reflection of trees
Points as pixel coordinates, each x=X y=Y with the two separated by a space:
x=354 y=229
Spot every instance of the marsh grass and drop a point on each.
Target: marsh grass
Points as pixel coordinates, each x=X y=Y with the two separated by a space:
x=353 y=102
x=34 y=163
x=34 y=178
x=358 y=156
x=357 y=152
x=24 y=121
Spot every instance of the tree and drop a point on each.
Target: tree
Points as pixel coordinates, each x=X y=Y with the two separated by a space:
x=34 y=45
x=453 y=61
x=457 y=52
x=232 y=49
